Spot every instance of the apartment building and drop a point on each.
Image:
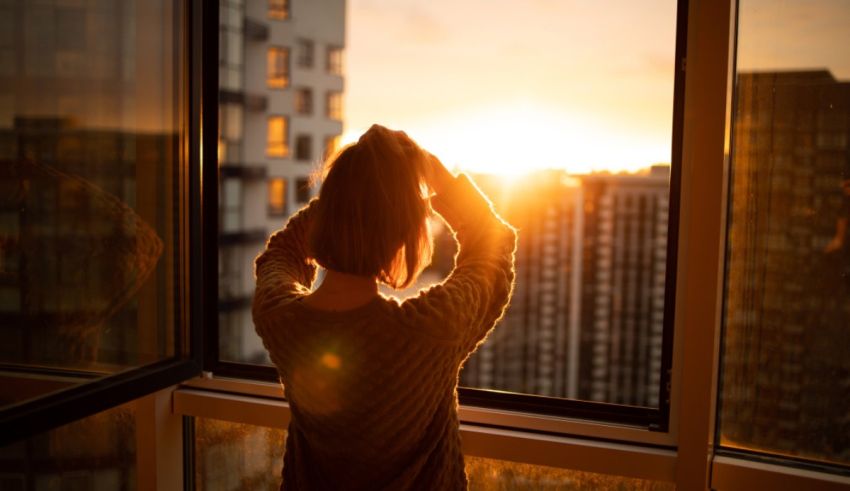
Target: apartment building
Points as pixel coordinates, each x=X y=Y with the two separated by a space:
x=587 y=315
x=281 y=85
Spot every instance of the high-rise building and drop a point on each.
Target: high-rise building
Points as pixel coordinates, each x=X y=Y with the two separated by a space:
x=281 y=85
x=787 y=376
x=586 y=318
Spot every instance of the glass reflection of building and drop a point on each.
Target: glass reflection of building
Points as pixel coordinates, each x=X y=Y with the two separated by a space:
x=274 y=70
x=88 y=149
x=586 y=318
x=787 y=377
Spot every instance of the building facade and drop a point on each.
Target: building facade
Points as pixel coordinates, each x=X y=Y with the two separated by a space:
x=281 y=85
x=586 y=318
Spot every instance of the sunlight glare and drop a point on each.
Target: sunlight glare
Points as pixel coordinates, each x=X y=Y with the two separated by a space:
x=517 y=138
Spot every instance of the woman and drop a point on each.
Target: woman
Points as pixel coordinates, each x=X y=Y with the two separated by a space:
x=371 y=382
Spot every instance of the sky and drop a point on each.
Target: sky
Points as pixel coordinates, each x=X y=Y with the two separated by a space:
x=507 y=87
x=493 y=85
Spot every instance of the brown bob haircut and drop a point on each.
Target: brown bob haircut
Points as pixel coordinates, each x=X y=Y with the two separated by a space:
x=371 y=215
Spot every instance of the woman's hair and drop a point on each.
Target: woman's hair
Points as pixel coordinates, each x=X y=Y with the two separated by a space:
x=371 y=215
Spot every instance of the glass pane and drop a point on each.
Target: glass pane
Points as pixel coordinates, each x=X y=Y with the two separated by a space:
x=786 y=352
x=231 y=456
x=555 y=137
x=96 y=453
x=89 y=156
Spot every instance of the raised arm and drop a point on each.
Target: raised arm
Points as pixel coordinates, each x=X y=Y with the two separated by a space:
x=283 y=269
x=469 y=302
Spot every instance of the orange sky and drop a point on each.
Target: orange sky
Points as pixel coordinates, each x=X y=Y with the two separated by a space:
x=493 y=85
x=512 y=86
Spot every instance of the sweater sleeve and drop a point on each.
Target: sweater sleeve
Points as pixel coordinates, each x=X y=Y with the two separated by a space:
x=283 y=270
x=473 y=298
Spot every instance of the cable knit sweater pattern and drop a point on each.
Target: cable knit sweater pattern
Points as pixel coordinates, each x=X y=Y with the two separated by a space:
x=373 y=390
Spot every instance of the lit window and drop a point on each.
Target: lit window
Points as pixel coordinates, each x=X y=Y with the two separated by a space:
x=277 y=196
x=302 y=190
x=303 y=147
x=334 y=60
x=279 y=9
x=333 y=108
x=278 y=67
x=304 y=100
x=305 y=53
x=277 y=142
x=331 y=145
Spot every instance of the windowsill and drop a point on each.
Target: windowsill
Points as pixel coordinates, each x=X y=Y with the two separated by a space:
x=262 y=404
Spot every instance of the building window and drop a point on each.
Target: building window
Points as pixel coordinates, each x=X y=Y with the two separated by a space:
x=333 y=105
x=231 y=205
x=305 y=53
x=279 y=9
x=302 y=190
x=303 y=147
x=277 y=140
x=277 y=196
x=331 y=145
x=333 y=60
x=278 y=67
x=304 y=100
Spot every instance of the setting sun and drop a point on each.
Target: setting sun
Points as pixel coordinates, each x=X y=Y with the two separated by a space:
x=521 y=137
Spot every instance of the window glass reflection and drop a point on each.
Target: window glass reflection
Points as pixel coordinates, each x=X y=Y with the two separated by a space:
x=786 y=359
x=89 y=140
x=94 y=453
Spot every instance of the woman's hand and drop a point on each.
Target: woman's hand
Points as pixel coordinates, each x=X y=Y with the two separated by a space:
x=439 y=178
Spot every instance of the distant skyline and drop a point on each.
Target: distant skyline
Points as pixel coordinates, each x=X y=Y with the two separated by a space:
x=492 y=87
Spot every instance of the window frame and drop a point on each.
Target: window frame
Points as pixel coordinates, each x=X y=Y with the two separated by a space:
x=655 y=419
x=196 y=253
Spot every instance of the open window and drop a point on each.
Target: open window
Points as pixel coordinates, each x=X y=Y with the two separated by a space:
x=586 y=171
x=101 y=235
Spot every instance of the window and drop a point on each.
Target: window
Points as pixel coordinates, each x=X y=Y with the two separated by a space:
x=331 y=145
x=589 y=330
x=304 y=101
x=231 y=48
x=785 y=353
x=98 y=157
x=277 y=139
x=230 y=133
x=277 y=196
x=333 y=60
x=333 y=105
x=279 y=9
x=304 y=147
x=306 y=49
x=278 y=67
x=302 y=190
x=231 y=205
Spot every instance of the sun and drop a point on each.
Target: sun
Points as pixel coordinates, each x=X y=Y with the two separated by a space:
x=514 y=139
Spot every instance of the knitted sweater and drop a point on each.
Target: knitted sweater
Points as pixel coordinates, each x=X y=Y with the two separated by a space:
x=373 y=390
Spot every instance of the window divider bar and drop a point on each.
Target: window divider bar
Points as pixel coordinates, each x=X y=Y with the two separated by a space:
x=701 y=239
